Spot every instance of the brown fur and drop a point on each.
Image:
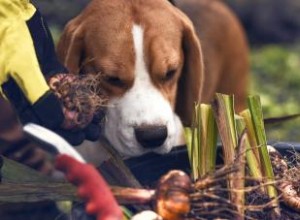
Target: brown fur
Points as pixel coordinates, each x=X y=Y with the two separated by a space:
x=100 y=40
x=225 y=49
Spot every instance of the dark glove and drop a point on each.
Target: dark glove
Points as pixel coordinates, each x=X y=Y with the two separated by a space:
x=92 y=131
x=75 y=138
x=44 y=46
x=47 y=111
x=50 y=66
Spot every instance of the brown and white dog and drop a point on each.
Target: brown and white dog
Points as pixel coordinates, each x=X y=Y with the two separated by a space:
x=153 y=65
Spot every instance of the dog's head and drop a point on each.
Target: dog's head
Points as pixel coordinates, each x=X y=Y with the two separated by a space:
x=151 y=62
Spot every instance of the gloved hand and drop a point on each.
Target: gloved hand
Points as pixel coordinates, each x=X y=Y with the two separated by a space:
x=91 y=187
x=29 y=60
x=47 y=111
x=80 y=104
x=75 y=138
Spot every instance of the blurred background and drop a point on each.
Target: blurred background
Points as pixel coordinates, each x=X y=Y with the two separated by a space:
x=273 y=31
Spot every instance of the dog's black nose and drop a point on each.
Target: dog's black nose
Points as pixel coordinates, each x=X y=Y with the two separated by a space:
x=151 y=136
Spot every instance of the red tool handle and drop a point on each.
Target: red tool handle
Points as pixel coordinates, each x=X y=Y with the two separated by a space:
x=100 y=201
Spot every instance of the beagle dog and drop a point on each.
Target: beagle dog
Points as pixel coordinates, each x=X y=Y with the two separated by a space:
x=156 y=63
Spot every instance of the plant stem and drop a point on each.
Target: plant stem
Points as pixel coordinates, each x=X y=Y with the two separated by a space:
x=224 y=115
x=201 y=140
x=191 y=137
x=251 y=133
x=257 y=120
x=208 y=139
x=252 y=160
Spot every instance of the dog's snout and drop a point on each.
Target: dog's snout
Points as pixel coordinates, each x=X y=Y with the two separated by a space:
x=151 y=136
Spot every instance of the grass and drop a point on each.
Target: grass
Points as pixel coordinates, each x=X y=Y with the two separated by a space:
x=276 y=79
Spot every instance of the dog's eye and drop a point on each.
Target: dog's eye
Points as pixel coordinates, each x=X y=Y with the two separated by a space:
x=114 y=80
x=169 y=75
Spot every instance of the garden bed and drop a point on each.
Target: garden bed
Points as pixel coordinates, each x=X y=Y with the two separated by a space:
x=149 y=168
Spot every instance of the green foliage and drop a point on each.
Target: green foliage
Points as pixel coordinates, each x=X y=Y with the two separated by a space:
x=201 y=141
x=255 y=108
x=276 y=79
x=55 y=32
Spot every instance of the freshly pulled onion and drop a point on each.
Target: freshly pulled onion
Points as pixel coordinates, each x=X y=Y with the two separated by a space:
x=81 y=98
x=173 y=195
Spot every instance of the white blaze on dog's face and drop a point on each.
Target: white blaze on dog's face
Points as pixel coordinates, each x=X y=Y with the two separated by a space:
x=146 y=51
x=142 y=111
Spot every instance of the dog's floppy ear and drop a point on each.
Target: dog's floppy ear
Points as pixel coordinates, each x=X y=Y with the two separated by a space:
x=191 y=80
x=69 y=48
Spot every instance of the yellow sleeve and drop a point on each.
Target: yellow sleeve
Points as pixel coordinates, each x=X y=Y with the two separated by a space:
x=20 y=61
x=16 y=9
